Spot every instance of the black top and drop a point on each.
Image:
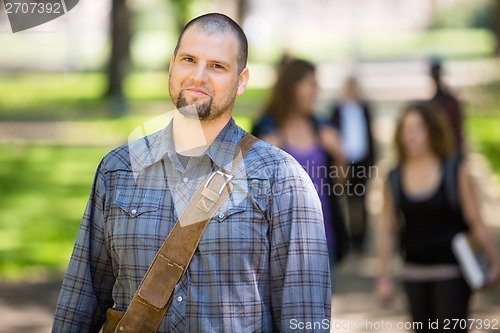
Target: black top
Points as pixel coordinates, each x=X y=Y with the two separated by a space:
x=429 y=226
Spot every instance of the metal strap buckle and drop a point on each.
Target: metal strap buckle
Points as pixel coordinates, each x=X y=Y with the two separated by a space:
x=226 y=176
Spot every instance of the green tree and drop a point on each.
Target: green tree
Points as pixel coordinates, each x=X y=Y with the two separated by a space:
x=119 y=60
x=181 y=12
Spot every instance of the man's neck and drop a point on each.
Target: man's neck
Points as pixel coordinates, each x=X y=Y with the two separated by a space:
x=192 y=137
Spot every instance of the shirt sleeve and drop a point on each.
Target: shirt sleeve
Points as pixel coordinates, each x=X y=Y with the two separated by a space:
x=86 y=292
x=300 y=273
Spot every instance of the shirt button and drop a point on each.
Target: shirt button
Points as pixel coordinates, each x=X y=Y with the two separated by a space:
x=179 y=299
x=221 y=215
x=134 y=211
x=185 y=179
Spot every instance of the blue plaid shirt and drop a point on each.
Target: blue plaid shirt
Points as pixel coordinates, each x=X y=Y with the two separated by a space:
x=262 y=261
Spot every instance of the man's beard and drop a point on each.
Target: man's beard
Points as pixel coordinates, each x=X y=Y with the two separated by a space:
x=200 y=110
x=204 y=111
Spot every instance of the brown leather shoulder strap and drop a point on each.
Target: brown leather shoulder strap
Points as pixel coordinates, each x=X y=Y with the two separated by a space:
x=154 y=296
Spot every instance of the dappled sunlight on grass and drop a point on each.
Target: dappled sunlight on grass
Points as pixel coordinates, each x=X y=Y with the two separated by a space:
x=31 y=89
x=485 y=134
x=44 y=192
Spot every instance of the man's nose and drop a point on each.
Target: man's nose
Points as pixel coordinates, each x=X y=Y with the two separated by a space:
x=200 y=72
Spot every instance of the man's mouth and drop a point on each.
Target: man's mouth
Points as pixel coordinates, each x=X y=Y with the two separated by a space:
x=197 y=91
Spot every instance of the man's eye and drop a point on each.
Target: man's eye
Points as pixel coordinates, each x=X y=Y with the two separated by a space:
x=217 y=66
x=188 y=59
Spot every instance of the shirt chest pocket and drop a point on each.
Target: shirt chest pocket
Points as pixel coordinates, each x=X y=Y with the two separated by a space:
x=136 y=220
x=136 y=205
x=236 y=230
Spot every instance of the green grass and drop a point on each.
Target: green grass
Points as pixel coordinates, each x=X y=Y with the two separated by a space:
x=485 y=133
x=483 y=120
x=44 y=192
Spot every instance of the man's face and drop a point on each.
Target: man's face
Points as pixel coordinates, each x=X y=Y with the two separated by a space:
x=204 y=73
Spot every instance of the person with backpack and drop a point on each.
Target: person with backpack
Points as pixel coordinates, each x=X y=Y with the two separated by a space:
x=289 y=123
x=418 y=191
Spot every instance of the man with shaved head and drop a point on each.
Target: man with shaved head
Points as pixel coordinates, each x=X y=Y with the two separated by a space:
x=262 y=262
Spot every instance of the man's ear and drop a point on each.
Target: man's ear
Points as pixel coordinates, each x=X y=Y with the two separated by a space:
x=171 y=63
x=243 y=81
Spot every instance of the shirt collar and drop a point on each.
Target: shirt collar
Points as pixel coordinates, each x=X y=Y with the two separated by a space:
x=221 y=151
x=152 y=148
